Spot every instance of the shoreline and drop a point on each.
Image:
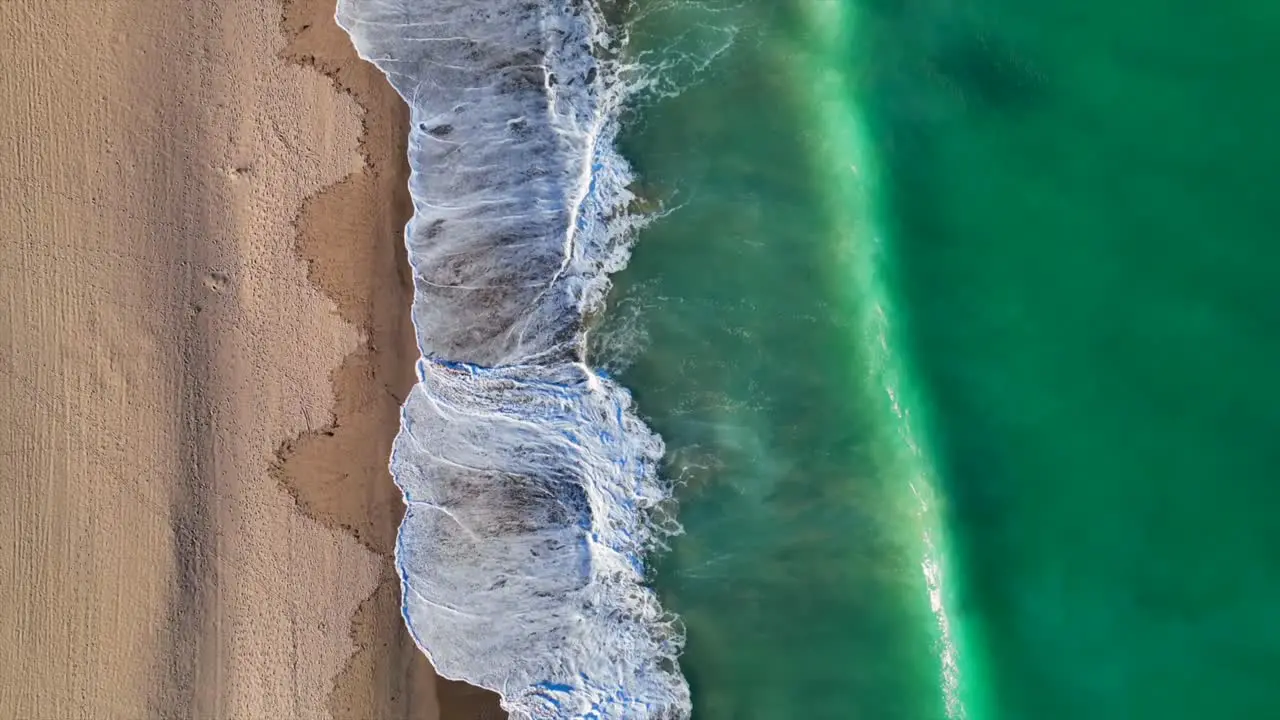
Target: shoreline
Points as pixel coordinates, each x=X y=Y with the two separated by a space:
x=372 y=382
x=533 y=484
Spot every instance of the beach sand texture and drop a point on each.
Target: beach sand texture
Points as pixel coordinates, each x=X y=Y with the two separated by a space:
x=206 y=341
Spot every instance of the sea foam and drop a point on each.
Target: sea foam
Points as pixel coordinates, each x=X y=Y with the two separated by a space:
x=531 y=486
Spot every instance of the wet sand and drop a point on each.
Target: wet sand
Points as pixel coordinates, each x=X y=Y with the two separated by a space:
x=206 y=339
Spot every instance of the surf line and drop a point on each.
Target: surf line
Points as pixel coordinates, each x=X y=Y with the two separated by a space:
x=531 y=485
x=829 y=34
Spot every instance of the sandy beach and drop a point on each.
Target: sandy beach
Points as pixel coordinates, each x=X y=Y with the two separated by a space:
x=206 y=341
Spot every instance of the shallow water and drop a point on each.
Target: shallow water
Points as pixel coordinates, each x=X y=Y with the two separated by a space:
x=799 y=576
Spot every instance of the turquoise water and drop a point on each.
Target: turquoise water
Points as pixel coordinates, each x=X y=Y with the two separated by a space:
x=982 y=289
x=799 y=576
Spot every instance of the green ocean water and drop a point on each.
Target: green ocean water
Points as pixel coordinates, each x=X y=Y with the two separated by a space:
x=983 y=289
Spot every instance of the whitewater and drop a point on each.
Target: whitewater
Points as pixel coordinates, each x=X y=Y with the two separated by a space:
x=531 y=486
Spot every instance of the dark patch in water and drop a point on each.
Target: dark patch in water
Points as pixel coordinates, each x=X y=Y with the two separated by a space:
x=989 y=71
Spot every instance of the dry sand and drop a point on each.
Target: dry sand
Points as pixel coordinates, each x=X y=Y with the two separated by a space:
x=205 y=341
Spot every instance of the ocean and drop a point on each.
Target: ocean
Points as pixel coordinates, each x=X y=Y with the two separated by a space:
x=841 y=358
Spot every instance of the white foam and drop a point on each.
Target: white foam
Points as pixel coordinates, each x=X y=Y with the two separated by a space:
x=531 y=485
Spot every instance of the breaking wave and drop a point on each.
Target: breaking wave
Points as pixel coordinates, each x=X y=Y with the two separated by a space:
x=531 y=486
